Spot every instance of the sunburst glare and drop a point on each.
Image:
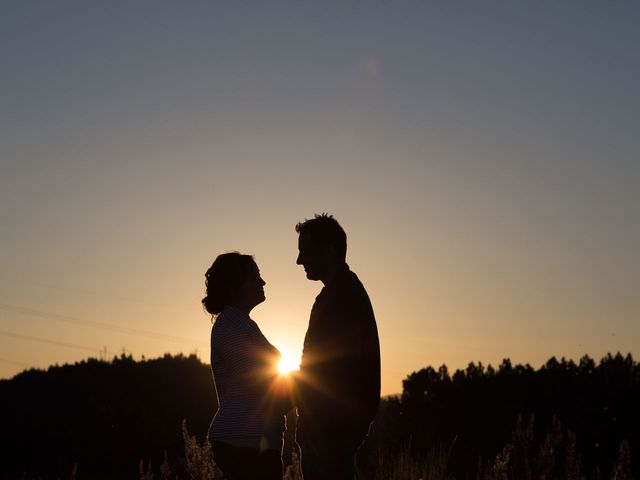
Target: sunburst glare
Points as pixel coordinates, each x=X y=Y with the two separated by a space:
x=287 y=363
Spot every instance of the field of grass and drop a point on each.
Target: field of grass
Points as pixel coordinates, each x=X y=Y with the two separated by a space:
x=556 y=458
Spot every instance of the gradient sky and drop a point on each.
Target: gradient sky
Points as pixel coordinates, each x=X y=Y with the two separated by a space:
x=483 y=158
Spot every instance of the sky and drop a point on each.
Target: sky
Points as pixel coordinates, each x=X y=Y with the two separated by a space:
x=483 y=158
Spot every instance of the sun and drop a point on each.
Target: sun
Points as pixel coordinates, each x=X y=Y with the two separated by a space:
x=287 y=363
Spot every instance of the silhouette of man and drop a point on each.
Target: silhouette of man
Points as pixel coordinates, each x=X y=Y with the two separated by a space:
x=338 y=390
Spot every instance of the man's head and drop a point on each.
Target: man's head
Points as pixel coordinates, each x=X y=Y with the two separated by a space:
x=322 y=246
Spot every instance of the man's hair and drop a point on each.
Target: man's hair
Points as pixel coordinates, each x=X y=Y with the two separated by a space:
x=325 y=230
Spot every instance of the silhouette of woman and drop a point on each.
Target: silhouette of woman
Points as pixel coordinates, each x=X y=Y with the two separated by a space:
x=246 y=433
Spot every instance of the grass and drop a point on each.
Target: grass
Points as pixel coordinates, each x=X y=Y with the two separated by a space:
x=556 y=458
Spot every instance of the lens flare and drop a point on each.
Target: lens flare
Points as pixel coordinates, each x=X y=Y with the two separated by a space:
x=287 y=363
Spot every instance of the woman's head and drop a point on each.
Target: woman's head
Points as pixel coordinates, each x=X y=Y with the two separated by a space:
x=233 y=280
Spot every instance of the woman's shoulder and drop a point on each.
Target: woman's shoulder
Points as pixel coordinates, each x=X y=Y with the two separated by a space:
x=227 y=317
x=229 y=324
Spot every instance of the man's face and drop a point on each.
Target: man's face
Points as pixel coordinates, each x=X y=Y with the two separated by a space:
x=313 y=257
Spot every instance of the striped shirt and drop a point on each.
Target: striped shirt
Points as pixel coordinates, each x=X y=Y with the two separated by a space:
x=243 y=363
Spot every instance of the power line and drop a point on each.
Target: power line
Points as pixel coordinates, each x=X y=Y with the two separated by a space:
x=13 y=362
x=101 y=293
x=46 y=340
x=101 y=325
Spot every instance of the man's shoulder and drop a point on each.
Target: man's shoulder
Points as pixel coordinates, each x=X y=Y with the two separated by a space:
x=348 y=293
x=350 y=283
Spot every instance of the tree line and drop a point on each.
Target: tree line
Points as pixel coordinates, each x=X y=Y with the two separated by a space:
x=99 y=419
x=475 y=412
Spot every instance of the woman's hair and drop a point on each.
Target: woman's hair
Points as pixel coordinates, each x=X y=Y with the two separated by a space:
x=224 y=278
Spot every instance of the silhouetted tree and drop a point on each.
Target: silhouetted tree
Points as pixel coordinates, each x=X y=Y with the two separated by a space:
x=477 y=408
x=103 y=416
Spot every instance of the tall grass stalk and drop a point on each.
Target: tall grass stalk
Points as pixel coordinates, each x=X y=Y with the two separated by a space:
x=556 y=457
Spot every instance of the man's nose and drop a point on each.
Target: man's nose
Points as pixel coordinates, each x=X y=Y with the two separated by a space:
x=299 y=259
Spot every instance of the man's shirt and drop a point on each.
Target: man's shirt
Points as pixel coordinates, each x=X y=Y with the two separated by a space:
x=339 y=387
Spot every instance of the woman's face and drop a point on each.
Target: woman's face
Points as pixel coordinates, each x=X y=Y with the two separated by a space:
x=252 y=289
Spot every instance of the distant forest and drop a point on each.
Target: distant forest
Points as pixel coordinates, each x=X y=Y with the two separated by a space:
x=98 y=419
